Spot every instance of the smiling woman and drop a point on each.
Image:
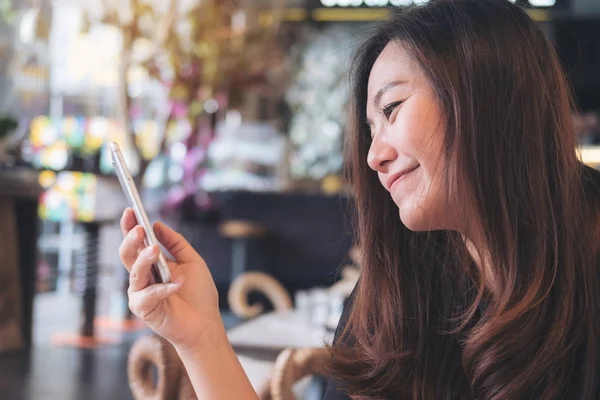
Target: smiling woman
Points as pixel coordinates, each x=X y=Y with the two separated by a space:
x=479 y=225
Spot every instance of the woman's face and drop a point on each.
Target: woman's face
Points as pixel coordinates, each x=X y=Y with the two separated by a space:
x=407 y=148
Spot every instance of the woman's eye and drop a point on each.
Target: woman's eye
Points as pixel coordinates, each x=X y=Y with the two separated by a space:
x=389 y=109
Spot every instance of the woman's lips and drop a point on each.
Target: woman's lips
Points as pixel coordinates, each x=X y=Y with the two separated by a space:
x=396 y=178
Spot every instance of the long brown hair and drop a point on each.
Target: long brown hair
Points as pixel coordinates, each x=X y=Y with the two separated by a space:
x=422 y=325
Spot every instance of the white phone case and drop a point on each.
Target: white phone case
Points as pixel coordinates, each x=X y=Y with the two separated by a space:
x=161 y=270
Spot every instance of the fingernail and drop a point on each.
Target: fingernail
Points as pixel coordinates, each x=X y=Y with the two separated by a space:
x=149 y=252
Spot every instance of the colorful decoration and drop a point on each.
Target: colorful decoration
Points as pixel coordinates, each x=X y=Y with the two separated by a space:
x=67 y=196
x=74 y=131
x=54 y=142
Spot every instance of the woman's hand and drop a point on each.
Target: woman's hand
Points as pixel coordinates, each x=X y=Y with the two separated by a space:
x=181 y=311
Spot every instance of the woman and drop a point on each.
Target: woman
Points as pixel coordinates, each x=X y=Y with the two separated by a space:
x=478 y=224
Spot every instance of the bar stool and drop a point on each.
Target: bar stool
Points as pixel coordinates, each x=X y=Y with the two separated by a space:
x=243 y=234
x=85 y=282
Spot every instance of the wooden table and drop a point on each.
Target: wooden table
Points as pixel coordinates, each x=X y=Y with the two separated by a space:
x=258 y=342
x=277 y=331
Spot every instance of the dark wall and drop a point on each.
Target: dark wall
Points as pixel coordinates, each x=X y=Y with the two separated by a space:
x=308 y=241
x=578 y=45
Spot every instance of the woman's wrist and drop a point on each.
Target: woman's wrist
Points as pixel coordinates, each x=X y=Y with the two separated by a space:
x=211 y=336
x=213 y=367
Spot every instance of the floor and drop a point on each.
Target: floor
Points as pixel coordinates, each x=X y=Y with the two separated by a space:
x=62 y=373
x=49 y=371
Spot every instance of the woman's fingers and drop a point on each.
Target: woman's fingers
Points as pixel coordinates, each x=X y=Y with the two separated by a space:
x=140 y=275
x=175 y=244
x=144 y=303
x=128 y=251
x=128 y=221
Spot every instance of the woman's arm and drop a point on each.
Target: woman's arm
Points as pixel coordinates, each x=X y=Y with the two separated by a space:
x=185 y=311
x=214 y=369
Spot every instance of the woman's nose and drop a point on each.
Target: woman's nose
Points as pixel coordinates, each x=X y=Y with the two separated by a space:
x=381 y=153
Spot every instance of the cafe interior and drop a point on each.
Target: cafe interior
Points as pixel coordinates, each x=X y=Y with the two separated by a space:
x=231 y=118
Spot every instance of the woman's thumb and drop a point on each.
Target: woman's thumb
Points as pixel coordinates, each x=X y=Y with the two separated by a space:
x=175 y=243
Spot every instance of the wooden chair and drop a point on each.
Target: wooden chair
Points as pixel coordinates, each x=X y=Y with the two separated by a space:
x=153 y=352
x=244 y=284
x=290 y=367
x=173 y=382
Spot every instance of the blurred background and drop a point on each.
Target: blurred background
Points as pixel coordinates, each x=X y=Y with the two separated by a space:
x=231 y=116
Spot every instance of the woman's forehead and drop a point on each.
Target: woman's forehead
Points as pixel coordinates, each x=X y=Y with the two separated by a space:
x=394 y=64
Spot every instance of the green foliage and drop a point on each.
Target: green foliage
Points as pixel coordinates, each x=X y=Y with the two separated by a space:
x=7 y=125
x=7 y=13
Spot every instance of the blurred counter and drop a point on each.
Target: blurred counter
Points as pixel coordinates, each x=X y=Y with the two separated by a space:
x=309 y=237
x=19 y=192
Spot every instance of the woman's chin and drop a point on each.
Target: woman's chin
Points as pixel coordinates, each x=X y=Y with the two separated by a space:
x=412 y=220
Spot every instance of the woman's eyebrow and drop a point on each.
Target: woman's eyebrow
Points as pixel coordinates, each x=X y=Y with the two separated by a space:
x=387 y=87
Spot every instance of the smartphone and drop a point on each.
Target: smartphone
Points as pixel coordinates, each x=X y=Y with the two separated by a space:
x=160 y=270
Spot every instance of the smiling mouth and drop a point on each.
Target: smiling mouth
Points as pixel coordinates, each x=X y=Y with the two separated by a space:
x=401 y=175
